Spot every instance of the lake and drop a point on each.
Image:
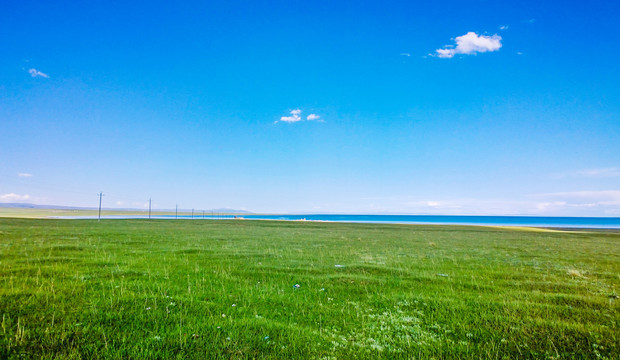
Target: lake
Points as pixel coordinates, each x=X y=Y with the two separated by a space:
x=535 y=221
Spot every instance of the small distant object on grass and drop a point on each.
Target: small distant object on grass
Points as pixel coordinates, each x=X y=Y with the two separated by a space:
x=442 y=275
x=432 y=244
x=296 y=286
x=575 y=273
x=339 y=266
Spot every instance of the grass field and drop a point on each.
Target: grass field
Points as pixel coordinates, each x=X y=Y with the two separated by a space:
x=196 y=289
x=43 y=213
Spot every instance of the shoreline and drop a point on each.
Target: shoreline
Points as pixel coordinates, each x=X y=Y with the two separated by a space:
x=514 y=222
x=524 y=227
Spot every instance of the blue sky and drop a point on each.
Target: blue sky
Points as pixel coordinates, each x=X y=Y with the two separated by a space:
x=449 y=107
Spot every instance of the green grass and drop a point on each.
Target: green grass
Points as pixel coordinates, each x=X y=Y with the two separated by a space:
x=42 y=213
x=201 y=289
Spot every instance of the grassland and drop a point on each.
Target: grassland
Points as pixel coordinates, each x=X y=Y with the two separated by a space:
x=196 y=289
x=43 y=213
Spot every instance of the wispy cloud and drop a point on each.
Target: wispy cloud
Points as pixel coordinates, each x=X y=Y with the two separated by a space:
x=504 y=27
x=469 y=44
x=312 y=117
x=144 y=205
x=612 y=196
x=576 y=203
x=530 y=21
x=605 y=202
x=599 y=173
x=36 y=73
x=14 y=197
x=24 y=175
x=405 y=54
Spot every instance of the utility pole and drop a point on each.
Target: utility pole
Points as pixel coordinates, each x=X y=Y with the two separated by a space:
x=99 y=217
x=149 y=208
x=176 y=212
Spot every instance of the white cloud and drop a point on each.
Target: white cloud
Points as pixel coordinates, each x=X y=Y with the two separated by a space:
x=37 y=73
x=471 y=43
x=598 y=202
x=24 y=175
x=600 y=196
x=14 y=197
x=600 y=173
x=405 y=54
x=294 y=117
x=504 y=27
x=577 y=203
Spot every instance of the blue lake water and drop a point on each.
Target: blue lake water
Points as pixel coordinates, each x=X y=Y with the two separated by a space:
x=534 y=221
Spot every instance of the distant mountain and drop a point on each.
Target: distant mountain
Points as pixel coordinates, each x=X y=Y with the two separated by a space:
x=61 y=207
